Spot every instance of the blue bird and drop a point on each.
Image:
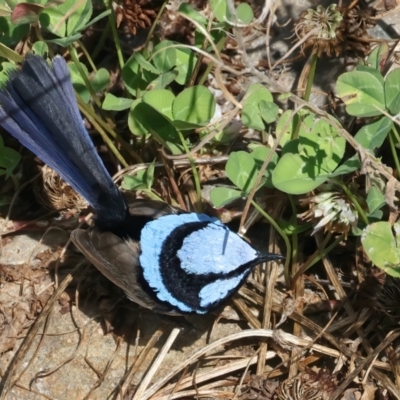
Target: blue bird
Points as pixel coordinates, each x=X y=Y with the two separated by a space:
x=163 y=258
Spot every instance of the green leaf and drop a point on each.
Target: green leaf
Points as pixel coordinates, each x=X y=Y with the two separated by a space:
x=362 y=93
x=25 y=13
x=380 y=245
x=252 y=114
x=392 y=92
x=5 y=9
x=162 y=80
x=188 y=10
x=164 y=58
x=260 y=154
x=9 y=159
x=11 y=34
x=95 y=19
x=150 y=174
x=40 y=48
x=291 y=228
x=242 y=170
x=375 y=199
x=256 y=93
x=251 y=117
x=286 y=124
x=161 y=100
x=64 y=42
x=145 y=64
x=101 y=80
x=7 y=68
x=373 y=135
x=187 y=126
x=221 y=197
x=220 y=9
x=372 y=71
x=378 y=56
x=114 y=103
x=308 y=161
x=137 y=120
x=78 y=82
x=294 y=175
x=9 y=54
x=244 y=13
x=321 y=144
x=79 y=13
x=134 y=79
x=185 y=63
x=143 y=119
x=137 y=182
x=195 y=105
x=350 y=165
x=269 y=111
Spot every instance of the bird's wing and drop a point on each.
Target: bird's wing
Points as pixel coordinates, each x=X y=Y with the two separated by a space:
x=118 y=260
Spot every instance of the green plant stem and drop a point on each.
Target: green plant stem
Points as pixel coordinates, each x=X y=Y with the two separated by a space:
x=92 y=116
x=199 y=205
x=307 y=93
x=153 y=26
x=323 y=253
x=40 y=37
x=152 y=195
x=102 y=40
x=106 y=126
x=392 y=136
x=318 y=255
x=14 y=180
x=200 y=57
x=210 y=66
x=295 y=242
x=353 y=199
x=396 y=133
x=284 y=237
x=113 y=25
x=77 y=63
x=311 y=75
x=102 y=132
x=87 y=55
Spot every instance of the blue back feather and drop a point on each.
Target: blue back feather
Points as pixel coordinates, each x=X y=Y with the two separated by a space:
x=39 y=109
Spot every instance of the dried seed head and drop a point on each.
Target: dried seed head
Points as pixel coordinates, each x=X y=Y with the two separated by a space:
x=327 y=25
x=55 y=194
x=308 y=385
x=135 y=14
x=336 y=29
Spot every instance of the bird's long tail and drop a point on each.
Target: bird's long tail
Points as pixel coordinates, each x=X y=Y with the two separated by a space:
x=38 y=107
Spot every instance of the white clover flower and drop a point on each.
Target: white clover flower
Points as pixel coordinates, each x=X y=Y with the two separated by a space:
x=330 y=210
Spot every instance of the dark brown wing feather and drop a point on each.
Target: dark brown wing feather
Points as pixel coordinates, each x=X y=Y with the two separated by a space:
x=118 y=259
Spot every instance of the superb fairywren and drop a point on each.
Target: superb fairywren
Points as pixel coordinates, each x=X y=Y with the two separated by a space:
x=163 y=258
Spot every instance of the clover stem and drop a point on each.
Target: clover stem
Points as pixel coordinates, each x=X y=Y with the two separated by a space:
x=311 y=76
x=392 y=136
x=284 y=237
x=307 y=92
x=113 y=25
x=198 y=205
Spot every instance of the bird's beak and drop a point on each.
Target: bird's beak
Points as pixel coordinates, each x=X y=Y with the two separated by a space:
x=264 y=257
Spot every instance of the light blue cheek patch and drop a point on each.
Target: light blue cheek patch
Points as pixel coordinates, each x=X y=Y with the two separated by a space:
x=214 y=249
x=219 y=289
x=152 y=238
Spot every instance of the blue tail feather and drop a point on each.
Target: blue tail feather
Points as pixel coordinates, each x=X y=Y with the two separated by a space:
x=39 y=109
